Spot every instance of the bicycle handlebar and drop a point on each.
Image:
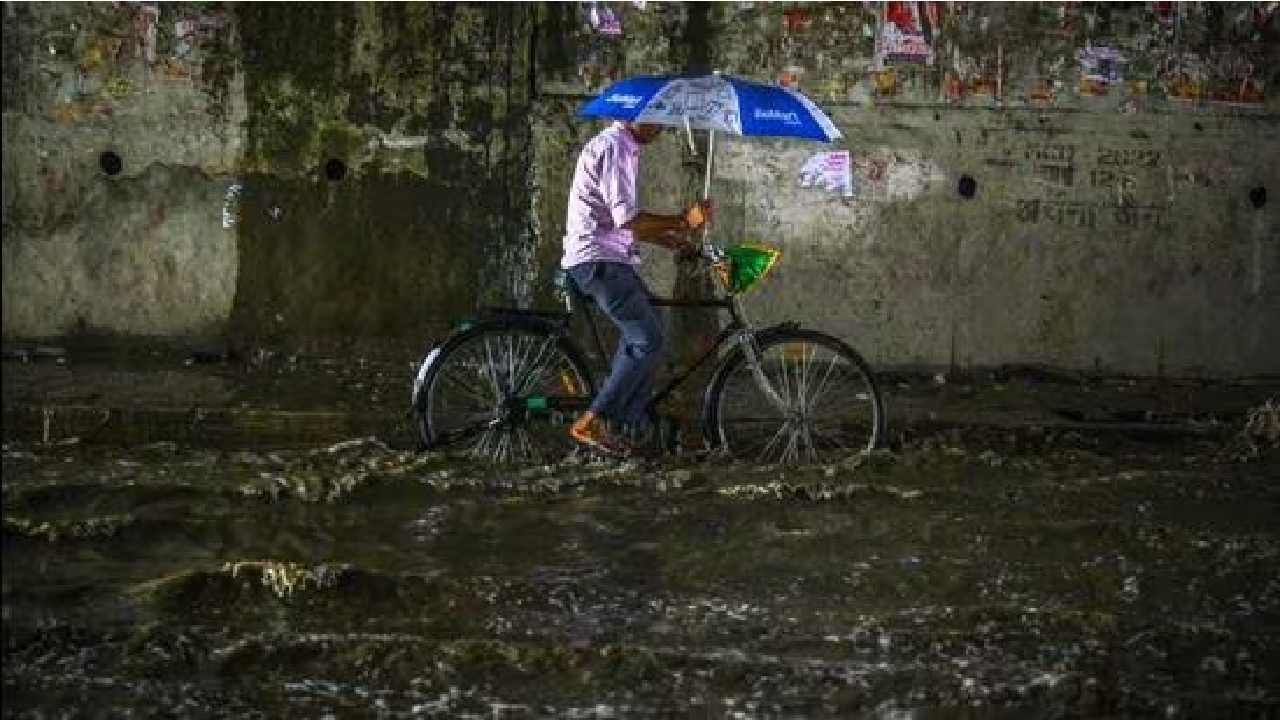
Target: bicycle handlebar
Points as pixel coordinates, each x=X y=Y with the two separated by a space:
x=705 y=251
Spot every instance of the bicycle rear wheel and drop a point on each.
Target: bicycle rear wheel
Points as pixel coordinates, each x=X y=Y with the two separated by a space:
x=504 y=391
x=830 y=405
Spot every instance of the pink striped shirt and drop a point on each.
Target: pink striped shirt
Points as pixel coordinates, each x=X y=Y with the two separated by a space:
x=602 y=199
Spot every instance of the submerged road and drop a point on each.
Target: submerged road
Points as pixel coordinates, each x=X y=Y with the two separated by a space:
x=968 y=574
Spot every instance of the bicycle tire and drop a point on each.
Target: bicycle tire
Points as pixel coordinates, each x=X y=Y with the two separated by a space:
x=486 y=366
x=795 y=437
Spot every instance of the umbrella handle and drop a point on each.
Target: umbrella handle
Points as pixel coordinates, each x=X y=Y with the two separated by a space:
x=711 y=157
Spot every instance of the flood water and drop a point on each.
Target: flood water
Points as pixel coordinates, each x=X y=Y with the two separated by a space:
x=961 y=576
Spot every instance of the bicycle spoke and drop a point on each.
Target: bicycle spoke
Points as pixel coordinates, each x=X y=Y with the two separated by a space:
x=511 y=366
x=819 y=390
x=490 y=369
x=524 y=371
x=461 y=384
x=802 y=379
x=763 y=456
x=800 y=365
x=793 y=446
x=479 y=447
x=830 y=403
x=474 y=401
x=842 y=397
x=786 y=382
x=531 y=379
x=811 y=454
x=503 y=447
x=810 y=352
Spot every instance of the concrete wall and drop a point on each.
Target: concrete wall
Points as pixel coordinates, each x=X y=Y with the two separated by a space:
x=396 y=165
x=142 y=251
x=291 y=172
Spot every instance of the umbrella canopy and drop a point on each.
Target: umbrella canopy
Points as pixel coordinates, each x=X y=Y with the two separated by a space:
x=714 y=102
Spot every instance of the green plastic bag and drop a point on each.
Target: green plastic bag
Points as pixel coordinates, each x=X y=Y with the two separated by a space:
x=748 y=264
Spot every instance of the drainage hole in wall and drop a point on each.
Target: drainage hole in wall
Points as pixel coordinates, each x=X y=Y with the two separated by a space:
x=1258 y=196
x=335 y=169
x=1198 y=127
x=110 y=163
x=968 y=186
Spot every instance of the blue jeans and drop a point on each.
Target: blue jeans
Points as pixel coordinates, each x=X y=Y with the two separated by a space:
x=620 y=292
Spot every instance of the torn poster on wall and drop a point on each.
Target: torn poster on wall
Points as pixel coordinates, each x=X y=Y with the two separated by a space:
x=231 y=206
x=1100 y=68
x=144 y=26
x=903 y=38
x=831 y=171
x=604 y=20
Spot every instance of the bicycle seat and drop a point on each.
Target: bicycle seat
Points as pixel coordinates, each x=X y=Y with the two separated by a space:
x=564 y=282
x=568 y=291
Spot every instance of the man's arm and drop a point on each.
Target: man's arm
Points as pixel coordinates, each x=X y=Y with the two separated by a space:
x=668 y=230
x=658 y=229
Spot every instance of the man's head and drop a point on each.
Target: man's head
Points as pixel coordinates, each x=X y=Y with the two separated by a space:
x=644 y=133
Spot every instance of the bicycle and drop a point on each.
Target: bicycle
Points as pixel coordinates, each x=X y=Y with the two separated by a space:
x=506 y=387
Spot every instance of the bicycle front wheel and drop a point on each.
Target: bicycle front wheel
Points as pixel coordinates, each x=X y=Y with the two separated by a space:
x=826 y=404
x=504 y=392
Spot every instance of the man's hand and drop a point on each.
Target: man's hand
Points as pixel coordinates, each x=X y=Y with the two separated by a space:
x=680 y=244
x=686 y=249
x=672 y=231
x=698 y=214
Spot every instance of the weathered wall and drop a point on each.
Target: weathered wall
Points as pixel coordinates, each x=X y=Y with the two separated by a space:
x=397 y=164
x=290 y=172
x=424 y=107
x=142 y=251
x=1119 y=221
x=1038 y=266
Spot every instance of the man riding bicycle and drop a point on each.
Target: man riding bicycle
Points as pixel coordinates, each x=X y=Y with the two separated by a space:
x=603 y=223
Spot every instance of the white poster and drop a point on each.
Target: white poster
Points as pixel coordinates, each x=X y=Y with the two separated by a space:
x=604 y=20
x=832 y=171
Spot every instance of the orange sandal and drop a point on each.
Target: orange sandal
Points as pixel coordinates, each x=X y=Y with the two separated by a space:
x=590 y=430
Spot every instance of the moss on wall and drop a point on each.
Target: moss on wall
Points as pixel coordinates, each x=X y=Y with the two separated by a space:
x=294 y=56
x=423 y=106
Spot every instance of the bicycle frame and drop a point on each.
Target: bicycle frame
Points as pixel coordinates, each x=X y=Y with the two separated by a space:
x=739 y=330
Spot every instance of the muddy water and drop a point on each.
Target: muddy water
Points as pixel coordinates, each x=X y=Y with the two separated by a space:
x=959 y=577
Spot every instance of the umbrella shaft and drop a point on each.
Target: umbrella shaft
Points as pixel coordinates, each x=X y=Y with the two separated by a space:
x=706 y=184
x=711 y=156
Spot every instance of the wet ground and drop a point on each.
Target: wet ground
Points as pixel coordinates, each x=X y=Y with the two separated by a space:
x=971 y=573
x=146 y=394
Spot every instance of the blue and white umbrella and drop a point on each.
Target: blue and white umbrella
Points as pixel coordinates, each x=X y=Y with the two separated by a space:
x=719 y=103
